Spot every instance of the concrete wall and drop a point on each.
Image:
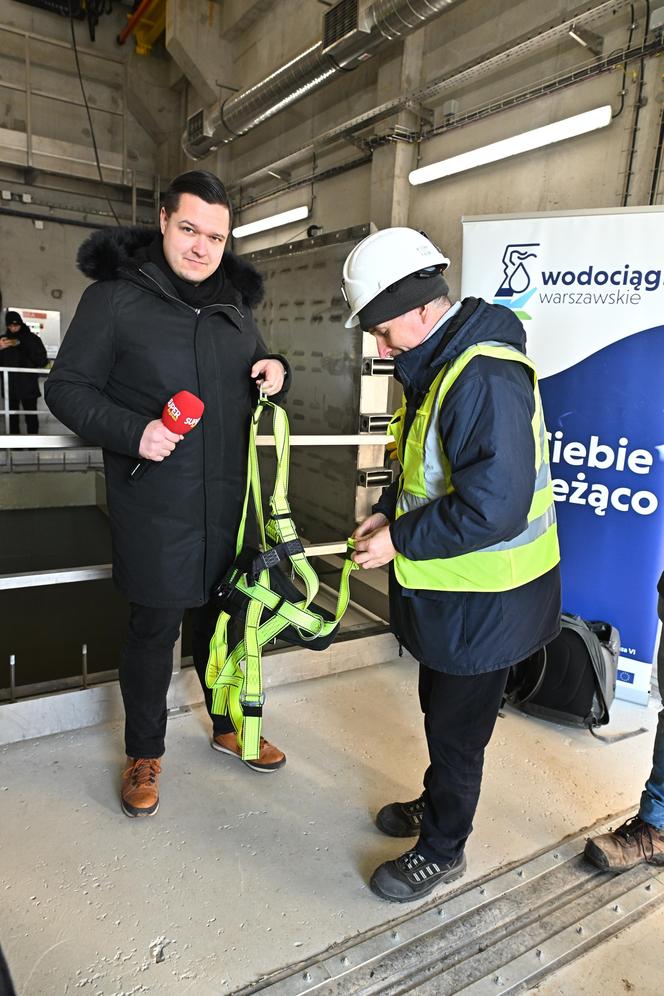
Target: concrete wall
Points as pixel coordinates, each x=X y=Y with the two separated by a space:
x=238 y=44
x=588 y=171
x=252 y=40
x=108 y=73
x=48 y=490
x=39 y=266
x=38 y=256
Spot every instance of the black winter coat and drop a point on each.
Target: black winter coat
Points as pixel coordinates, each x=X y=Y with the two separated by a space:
x=485 y=427
x=30 y=353
x=132 y=344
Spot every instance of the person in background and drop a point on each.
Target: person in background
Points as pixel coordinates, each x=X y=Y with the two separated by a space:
x=468 y=529
x=640 y=840
x=169 y=311
x=19 y=347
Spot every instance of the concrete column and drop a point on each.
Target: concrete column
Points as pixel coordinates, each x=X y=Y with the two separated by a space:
x=156 y=106
x=193 y=38
x=390 y=190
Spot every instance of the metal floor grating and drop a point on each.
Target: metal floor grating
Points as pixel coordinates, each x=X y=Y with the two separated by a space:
x=500 y=935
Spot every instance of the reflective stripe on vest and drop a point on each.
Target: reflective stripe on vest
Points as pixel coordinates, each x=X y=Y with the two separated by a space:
x=426 y=476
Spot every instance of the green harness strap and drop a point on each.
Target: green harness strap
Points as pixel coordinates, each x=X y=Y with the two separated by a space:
x=235 y=691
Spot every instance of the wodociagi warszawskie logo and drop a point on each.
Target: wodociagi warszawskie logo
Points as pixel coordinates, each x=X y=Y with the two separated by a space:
x=515 y=289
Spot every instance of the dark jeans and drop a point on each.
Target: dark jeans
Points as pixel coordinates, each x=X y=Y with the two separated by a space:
x=652 y=799
x=459 y=716
x=145 y=673
x=31 y=421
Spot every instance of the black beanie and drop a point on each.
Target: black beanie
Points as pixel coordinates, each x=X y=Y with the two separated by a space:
x=402 y=296
x=13 y=316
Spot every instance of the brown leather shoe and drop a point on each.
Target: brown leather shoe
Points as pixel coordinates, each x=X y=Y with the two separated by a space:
x=270 y=758
x=140 y=786
x=633 y=843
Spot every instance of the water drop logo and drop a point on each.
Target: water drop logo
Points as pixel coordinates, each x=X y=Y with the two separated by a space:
x=515 y=290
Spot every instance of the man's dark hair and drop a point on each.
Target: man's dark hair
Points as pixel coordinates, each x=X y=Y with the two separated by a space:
x=201 y=183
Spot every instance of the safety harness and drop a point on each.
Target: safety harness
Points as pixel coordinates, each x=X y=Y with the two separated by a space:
x=257 y=589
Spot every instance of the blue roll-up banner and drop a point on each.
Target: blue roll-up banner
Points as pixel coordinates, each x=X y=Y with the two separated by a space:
x=589 y=288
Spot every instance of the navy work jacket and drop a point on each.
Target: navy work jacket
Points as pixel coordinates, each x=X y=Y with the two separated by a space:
x=486 y=432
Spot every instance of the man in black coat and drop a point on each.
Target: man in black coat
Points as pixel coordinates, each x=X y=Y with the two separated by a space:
x=169 y=311
x=20 y=347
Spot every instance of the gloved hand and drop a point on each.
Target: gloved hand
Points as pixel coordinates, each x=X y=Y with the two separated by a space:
x=391 y=450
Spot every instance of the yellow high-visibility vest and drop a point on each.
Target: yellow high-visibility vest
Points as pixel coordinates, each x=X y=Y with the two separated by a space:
x=426 y=476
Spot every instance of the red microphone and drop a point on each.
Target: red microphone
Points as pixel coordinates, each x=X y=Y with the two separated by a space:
x=181 y=414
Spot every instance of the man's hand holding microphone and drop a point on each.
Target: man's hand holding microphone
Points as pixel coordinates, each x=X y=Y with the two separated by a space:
x=157 y=441
x=183 y=412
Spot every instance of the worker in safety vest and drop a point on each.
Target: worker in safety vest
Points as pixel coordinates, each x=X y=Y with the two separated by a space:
x=469 y=529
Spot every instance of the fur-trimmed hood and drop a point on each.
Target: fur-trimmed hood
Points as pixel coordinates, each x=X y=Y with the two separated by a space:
x=109 y=254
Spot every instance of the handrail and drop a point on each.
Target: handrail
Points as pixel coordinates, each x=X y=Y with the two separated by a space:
x=68 y=442
x=24 y=370
x=64 y=575
x=102 y=572
x=31 y=579
x=71 y=441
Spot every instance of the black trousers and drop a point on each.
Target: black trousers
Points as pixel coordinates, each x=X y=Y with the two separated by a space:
x=460 y=713
x=31 y=421
x=146 y=666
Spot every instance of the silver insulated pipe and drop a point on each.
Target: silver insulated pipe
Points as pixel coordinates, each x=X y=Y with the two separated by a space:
x=374 y=27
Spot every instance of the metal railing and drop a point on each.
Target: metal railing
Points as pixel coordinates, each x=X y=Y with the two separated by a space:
x=36 y=444
x=5 y=410
x=29 y=149
x=103 y=572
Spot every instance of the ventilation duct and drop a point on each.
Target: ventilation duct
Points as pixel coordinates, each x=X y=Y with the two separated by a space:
x=344 y=24
x=353 y=30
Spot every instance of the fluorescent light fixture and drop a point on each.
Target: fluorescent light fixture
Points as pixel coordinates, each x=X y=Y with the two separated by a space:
x=579 y=124
x=272 y=221
x=588 y=39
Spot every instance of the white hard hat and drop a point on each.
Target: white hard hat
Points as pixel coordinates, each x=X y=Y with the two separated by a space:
x=381 y=259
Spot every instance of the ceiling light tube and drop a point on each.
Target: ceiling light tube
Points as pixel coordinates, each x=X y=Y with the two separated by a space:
x=593 y=42
x=578 y=124
x=272 y=221
x=573 y=33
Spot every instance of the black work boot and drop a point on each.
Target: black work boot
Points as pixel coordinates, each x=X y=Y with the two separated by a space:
x=413 y=876
x=401 y=819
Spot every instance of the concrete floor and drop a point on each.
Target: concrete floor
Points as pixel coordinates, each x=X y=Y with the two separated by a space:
x=630 y=962
x=242 y=873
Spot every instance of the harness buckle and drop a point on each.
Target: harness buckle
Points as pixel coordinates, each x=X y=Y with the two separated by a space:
x=252 y=705
x=223 y=589
x=267 y=559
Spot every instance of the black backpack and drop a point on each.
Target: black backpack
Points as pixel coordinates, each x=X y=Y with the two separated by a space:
x=573 y=678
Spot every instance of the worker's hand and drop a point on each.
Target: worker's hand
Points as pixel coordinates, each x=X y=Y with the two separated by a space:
x=375 y=549
x=157 y=442
x=370 y=525
x=6 y=343
x=270 y=375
